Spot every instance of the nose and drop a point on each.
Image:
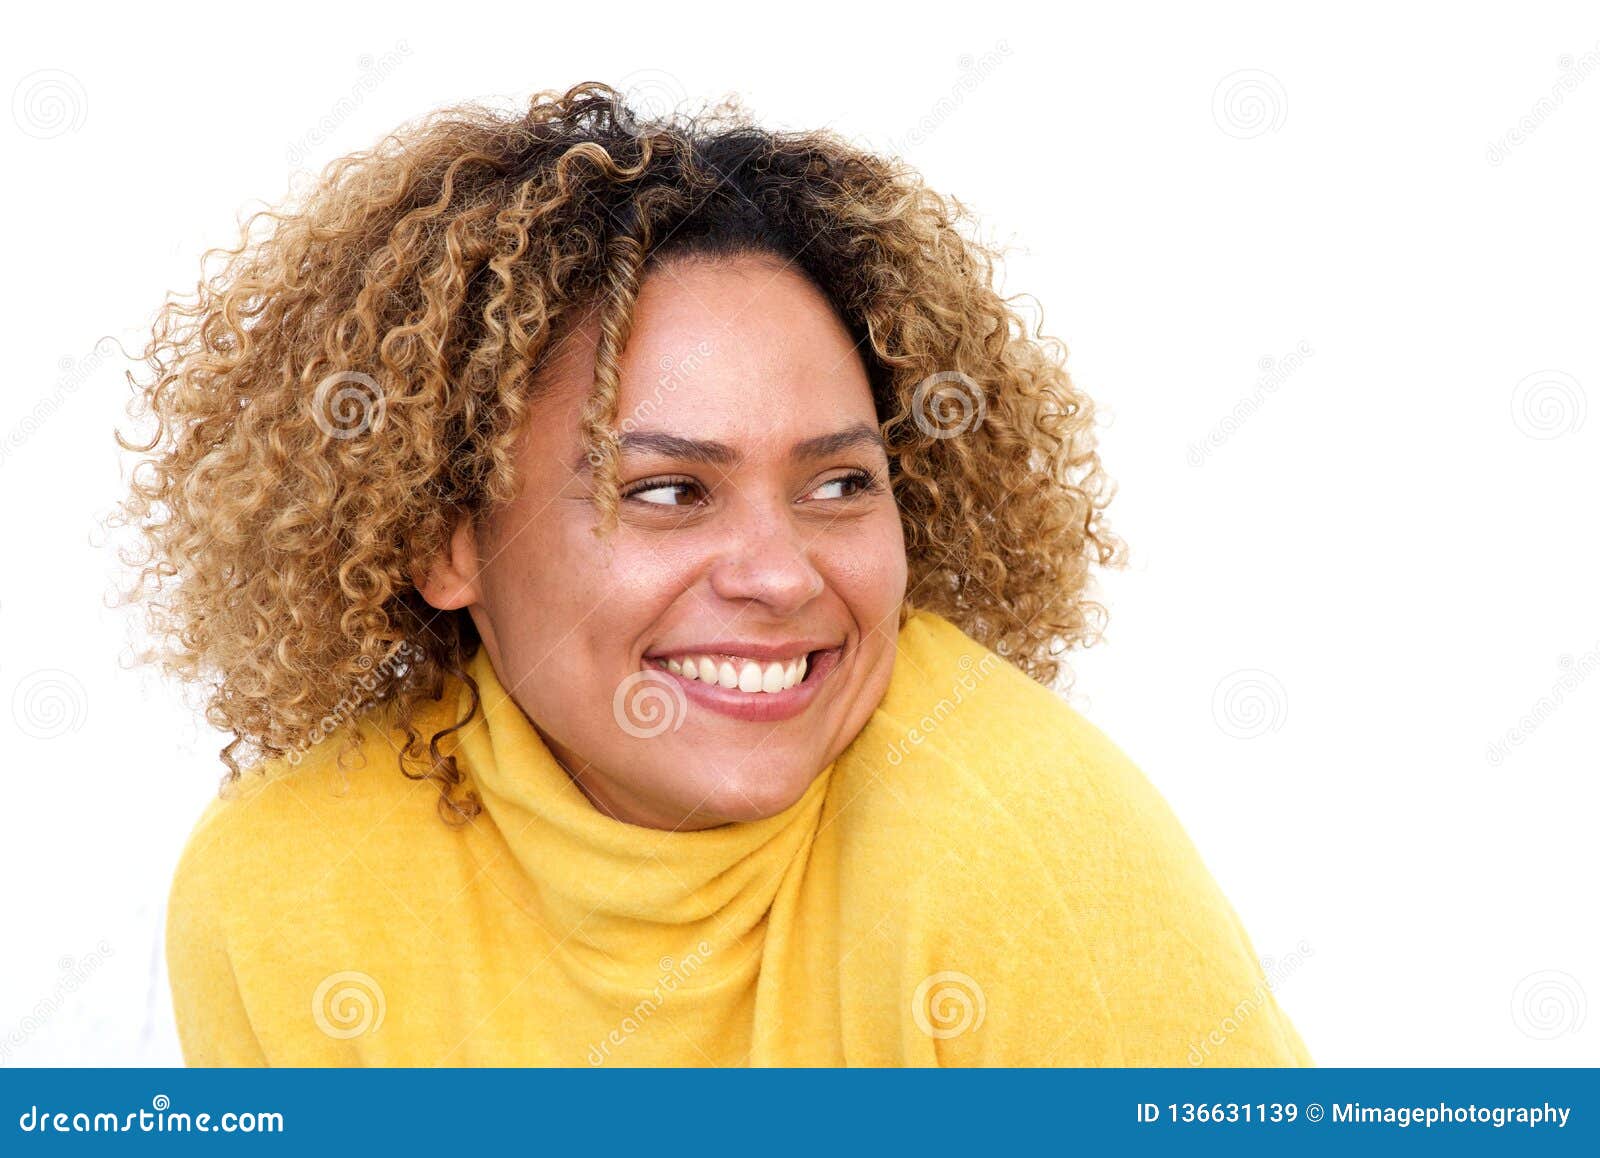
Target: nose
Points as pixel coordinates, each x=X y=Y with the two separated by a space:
x=766 y=558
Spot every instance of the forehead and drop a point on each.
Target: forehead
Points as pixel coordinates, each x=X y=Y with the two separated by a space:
x=744 y=350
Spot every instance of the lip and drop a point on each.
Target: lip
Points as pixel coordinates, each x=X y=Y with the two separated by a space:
x=759 y=707
x=748 y=650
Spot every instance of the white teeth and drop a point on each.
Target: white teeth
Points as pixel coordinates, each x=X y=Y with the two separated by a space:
x=747 y=675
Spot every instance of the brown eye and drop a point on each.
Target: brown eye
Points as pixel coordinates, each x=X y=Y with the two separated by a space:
x=860 y=480
x=660 y=486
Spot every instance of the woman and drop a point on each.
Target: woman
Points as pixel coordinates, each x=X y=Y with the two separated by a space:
x=632 y=558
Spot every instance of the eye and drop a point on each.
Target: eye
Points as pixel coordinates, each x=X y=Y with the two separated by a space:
x=662 y=486
x=861 y=480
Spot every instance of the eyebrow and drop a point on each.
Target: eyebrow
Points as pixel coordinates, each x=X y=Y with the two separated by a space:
x=715 y=453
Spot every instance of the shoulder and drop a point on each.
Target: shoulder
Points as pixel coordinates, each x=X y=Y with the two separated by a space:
x=286 y=832
x=1047 y=859
x=301 y=866
x=978 y=749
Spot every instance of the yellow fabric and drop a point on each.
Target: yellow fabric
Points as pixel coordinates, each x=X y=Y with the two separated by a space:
x=981 y=878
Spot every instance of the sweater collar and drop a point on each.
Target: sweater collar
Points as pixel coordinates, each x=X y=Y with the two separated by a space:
x=619 y=896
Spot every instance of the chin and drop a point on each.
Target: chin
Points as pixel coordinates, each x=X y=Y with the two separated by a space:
x=756 y=791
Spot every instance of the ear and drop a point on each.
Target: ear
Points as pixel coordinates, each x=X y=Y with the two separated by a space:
x=451 y=579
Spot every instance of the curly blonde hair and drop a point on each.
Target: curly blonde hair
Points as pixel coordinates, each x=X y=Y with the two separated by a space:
x=349 y=383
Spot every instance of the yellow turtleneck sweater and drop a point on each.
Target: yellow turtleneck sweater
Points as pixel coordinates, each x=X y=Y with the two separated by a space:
x=981 y=878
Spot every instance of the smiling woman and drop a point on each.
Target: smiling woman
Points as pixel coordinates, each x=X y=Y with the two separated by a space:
x=682 y=533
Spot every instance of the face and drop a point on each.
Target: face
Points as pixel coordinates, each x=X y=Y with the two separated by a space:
x=757 y=540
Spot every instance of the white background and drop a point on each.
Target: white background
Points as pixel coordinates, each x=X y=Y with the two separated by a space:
x=1381 y=563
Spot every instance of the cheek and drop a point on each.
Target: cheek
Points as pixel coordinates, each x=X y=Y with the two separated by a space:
x=595 y=619
x=560 y=574
x=636 y=586
x=565 y=611
x=868 y=571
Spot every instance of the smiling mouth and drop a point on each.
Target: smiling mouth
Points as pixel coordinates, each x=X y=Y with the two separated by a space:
x=748 y=677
